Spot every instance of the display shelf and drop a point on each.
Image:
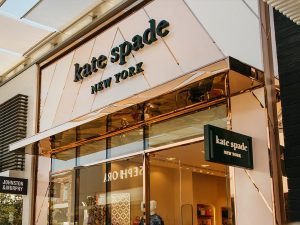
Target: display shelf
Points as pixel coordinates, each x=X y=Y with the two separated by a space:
x=205 y=214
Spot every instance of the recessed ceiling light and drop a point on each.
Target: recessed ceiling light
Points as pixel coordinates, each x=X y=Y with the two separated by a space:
x=171 y=158
x=204 y=165
x=187 y=168
x=201 y=171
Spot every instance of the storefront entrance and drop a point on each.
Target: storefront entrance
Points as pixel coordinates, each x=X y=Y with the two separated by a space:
x=188 y=190
x=184 y=189
x=144 y=163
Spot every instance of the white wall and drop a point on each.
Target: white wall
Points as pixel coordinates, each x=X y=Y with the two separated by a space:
x=233 y=25
x=187 y=47
x=253 y=206
x=26 y=84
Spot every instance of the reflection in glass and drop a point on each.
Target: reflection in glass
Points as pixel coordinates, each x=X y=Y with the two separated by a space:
x=111 y=193
x=91 y=153
x=91 y=209
x=201 y=91
x=186 y=126
x=126 y=117
x=62 y=194
x=126 y=143
x=92 y=129
x=63 y=160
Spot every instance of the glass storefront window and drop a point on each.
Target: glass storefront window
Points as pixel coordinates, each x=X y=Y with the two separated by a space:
x=126 y=143
x=185 y=189
x=186 y=126
x=63 y=160
x=62 y=201
x=91 y=153
x=111 y=193
x=88 y=189
x=92 y=129
x=125 y=117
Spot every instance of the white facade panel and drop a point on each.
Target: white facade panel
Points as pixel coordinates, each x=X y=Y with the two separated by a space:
x=46 y=80
x=246 y=110
x=196 y=47
x=184 y=49
x=26 y=84
x=233 y=26
x=71 y=89
x=55 y=91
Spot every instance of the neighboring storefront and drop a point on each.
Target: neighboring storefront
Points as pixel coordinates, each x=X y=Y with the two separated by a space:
x=122 y=115
x=18 y=107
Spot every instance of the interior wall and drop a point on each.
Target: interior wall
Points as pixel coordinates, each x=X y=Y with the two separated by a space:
x=210 y=190
x=253 y=188
x=195 y=189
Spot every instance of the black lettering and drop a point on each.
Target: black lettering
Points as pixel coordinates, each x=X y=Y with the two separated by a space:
x=124 y=74
x=139 y=68
x=107 y=82
x=78 y=70
x=162 y=25
x=149 y=35
x=87 y=70
x=100 y=86
x=125 y=50
x=117 y=76
x=131 y=71
x=137 y=42
x=115 y=55
x=102 y=62
x=94 y=63
x=94 y=89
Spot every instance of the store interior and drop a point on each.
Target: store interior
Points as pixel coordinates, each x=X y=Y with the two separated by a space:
x=184 y=190
x=187 y=189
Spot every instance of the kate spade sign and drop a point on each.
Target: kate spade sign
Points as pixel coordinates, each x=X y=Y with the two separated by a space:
x=118 y=54
x=12 y=185
x=227 y=147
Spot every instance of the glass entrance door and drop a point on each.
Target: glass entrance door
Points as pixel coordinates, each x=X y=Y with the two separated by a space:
x=187 y=190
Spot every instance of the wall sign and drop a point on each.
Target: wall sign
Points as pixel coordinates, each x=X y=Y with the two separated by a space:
x=119 y=54
x=12 y=185
x=227 y=147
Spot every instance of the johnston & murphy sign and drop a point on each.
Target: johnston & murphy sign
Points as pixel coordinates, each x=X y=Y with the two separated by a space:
x=119 y=54
x=10 y=185
x=227 y=147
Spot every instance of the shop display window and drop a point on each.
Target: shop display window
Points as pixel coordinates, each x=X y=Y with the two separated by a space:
x=187 y=189
x=186 y=126
x=111 y=193
x=126 y=143
x=91 y=153
x=63 y=160
x=62 y=198
x=196 y=93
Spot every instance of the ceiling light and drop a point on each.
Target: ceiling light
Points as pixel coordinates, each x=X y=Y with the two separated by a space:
x=204 y=165
x=171 y=158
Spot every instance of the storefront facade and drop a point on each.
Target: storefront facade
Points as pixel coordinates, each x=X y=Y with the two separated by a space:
x=121 y=115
